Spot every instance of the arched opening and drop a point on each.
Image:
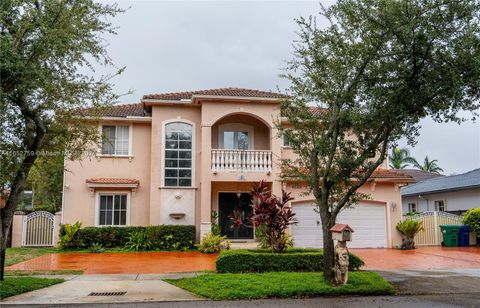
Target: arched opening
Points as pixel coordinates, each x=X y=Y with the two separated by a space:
x=241 y=132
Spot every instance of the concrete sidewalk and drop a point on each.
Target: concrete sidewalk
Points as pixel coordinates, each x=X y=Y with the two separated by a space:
x=76 y=290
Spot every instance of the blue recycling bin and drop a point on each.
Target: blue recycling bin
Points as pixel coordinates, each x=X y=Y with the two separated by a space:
x=464 y=236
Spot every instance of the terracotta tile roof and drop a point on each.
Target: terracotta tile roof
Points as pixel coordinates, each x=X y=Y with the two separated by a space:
x=340 y=228
x=240 y=92
x=112 y=181
x=390 y=174
x=118 y=110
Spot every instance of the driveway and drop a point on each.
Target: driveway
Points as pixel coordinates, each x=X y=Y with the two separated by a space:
x=422 y=258
x=121 y=263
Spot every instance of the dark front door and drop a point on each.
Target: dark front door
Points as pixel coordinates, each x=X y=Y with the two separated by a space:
x=232 y=205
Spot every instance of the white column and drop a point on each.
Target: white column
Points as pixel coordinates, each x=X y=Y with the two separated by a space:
x=205 y=182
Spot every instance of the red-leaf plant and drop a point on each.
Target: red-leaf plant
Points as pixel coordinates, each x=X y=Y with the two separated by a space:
x=274 y=213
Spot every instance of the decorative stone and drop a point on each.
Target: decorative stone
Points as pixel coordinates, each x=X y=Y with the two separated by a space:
x=341 y=262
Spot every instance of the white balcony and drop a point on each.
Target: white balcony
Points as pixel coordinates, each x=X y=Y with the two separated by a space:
x=241 y=161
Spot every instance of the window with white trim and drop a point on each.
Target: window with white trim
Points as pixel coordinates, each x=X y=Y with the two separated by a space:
x=115 y=140
x=439 y=205
x=112 y=210
x=178 y=154
x=285 y=141
x=412 y=207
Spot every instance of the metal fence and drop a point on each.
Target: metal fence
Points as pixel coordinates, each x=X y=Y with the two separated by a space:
x=38 y=229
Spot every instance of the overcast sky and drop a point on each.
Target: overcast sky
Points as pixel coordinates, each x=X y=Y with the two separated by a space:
x=181 y=46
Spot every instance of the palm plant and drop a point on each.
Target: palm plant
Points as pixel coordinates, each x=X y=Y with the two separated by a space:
x=400 y=158
x=429 y=166
x=409 y=228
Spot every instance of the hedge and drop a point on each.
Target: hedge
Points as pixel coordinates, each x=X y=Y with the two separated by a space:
x=160 y=237
x=293 y=260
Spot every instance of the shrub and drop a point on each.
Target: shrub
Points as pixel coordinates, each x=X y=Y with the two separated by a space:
x=68 y=235
x=259 y=260
x=472 y=219
x=163 y=237
x=212 y=243
x=273 y=215
x=409 y=228
x=215 y=226
x=96 y=248
x=137 y=240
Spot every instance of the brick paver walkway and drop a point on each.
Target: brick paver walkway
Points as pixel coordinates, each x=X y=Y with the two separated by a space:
x=121 y=263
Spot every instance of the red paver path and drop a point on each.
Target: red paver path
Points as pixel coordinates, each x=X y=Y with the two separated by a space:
x=422 y=258
x=121 y=263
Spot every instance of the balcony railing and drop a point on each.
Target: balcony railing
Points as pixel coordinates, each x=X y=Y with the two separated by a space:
x=241 y=161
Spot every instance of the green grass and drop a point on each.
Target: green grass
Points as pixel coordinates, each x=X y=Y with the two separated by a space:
x=17 y=285
x=280 y=284
x=34 y=273
x=17 y=255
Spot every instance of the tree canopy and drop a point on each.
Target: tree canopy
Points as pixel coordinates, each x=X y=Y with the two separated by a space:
x=48 y=51
x=377 y=69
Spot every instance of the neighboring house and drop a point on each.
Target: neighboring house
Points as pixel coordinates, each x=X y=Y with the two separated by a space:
x=455 y=194
x=419 y=175
x=174 y=158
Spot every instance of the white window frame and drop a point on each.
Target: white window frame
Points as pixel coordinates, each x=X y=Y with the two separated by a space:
x=163 y=157
x=111 y=193
x=288 y=146
x=410 y=209
x=236 y=127
x=130 y=135
x=436 y=207
x=29 y=206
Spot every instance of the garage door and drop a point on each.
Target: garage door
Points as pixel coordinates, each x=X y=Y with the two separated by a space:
x=368 y=220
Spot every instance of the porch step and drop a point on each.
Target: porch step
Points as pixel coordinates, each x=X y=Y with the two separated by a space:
x=243 y=244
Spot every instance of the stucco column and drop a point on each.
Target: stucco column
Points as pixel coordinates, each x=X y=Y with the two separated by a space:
x=17 y=229
x=276 y=145
x=205 y=180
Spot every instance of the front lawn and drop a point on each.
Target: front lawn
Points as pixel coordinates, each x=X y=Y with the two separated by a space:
x=17 y=255
x=280 y=284
x=17 y=285
x=47 y=272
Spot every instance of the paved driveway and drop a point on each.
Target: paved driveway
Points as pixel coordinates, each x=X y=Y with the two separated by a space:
x=121 y=263
x=422 y=258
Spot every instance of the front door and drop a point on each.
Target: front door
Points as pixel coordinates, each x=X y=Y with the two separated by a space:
x=239 y=206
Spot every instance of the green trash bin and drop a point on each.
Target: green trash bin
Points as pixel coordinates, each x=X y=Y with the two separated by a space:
x=450 y=235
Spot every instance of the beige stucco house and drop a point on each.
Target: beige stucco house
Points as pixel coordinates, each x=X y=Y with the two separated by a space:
x=174 y=158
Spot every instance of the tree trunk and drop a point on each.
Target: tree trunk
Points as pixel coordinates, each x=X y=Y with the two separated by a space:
x=2 y=259
x=328 y=251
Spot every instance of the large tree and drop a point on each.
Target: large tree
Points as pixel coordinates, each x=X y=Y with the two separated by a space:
x=48 y=50
x=372 y=73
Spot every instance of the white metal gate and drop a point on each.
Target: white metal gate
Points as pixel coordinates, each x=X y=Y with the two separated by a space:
x=38 y=229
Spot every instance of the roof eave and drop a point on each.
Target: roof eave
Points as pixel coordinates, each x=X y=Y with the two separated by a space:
x=432 y=192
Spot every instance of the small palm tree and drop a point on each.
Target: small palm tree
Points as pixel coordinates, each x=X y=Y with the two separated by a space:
x=429 y=166
x=400 y=158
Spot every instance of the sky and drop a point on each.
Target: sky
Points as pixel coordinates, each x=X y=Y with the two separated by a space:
x=194 y=45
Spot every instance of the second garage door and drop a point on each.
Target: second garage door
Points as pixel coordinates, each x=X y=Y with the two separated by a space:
x=368 y=220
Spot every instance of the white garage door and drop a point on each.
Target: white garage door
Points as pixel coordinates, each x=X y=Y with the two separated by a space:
x=368 y=220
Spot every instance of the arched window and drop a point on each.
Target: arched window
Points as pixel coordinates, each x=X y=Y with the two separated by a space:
x=178 y=154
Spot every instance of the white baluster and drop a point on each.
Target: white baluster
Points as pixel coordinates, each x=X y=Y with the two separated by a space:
x=221 y=159
x=262 y=161
x=270 y=164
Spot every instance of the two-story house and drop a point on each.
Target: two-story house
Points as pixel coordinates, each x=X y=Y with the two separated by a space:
x=174 y=158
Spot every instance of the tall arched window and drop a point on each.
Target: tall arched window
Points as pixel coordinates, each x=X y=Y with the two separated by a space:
x=178 y=154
